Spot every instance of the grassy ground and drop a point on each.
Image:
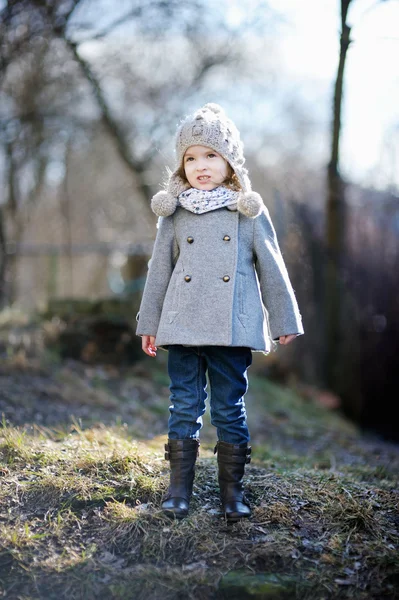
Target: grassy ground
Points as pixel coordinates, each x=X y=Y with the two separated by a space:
x=82 y=474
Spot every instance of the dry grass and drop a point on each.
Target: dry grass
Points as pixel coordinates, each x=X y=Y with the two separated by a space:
x=79 y=500
x=80 y=519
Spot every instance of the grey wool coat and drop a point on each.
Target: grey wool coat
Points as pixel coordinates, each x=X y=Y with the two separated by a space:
x=218 y=279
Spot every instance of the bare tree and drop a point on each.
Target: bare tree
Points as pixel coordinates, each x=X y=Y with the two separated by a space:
x=334 y=301
x=44 y=38
x=35 y=101
x=335 y=216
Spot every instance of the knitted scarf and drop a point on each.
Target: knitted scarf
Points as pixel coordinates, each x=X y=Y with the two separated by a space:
x=201 y=201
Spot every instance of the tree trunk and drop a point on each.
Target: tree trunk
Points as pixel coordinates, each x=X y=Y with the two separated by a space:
x=12 y=244
x=3 y=260
x=66 y=211
x=335 y=224
x=113 y=128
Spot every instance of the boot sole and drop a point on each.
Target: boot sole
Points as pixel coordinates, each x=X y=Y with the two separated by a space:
x=171 y=514
x=236 y=519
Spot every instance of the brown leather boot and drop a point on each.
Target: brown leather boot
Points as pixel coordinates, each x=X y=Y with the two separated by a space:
x=182 y=455
x=232 y=459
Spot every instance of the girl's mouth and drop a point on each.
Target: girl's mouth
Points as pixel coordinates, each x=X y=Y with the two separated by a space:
x=203 y=178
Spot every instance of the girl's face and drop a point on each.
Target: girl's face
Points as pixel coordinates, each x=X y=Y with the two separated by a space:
x=205 y=169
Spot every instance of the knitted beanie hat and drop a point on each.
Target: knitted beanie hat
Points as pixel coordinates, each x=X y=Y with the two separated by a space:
x=209 y=126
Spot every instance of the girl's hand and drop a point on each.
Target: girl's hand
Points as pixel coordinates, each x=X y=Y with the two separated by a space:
x=148 y=345
x=286 y=339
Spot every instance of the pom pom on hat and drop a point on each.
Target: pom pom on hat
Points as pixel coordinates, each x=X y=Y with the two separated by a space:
x=163 y=204
x=218 y=110
x=250 y=204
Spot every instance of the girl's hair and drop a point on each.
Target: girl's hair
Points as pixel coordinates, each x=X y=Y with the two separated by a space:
x=231 y=180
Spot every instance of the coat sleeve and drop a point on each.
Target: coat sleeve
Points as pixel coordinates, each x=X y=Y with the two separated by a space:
x=277 y=293
x=160 y=269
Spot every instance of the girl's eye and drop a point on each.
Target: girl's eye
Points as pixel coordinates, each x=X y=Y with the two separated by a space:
x=189 y=158
x=211 y=155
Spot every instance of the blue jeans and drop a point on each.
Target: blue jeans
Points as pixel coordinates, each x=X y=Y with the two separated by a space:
x=227 y=371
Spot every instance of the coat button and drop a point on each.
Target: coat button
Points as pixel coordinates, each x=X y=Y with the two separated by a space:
x=226 y=278
x=226 y=238
x=190 y=240
x=187 y=278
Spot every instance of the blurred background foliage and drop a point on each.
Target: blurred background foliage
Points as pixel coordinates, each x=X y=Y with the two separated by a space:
x=90 y=95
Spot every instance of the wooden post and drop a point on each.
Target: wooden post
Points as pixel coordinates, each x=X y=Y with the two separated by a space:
x=53 y=265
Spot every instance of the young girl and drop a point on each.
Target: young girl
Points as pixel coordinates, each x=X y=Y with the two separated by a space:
x=217 y=289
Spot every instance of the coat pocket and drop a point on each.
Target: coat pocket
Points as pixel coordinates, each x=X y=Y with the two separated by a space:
x=242 y=315
x=176 y=290
x=172 y=314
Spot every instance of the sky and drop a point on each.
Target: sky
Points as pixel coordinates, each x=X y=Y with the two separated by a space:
x=309 y=50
